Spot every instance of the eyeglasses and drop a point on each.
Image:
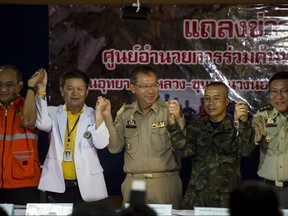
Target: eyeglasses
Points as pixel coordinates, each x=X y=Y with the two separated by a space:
x=283 y=92
x=8 y=85
x=146 y=87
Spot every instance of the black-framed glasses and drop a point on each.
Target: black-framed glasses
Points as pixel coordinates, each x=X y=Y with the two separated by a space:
x=146 y=87
x=8 y=85
x=283 y=92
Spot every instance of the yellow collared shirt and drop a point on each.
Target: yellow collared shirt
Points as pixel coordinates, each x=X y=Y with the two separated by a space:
x=68 y=167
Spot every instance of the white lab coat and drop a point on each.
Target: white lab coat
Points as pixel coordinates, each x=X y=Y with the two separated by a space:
x=89 y=171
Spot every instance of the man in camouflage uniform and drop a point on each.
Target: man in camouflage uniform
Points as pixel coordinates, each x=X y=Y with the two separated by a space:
x=216 y=144
x=271 y=132
x=140 y=128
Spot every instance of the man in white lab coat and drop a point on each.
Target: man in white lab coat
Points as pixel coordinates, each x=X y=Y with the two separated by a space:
x=72 y=171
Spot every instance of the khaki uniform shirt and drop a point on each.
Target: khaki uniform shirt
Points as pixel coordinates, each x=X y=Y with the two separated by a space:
x=272 y=135
x=145 y=139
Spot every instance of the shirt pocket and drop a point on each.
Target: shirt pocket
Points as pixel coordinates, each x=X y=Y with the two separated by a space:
x=160 y=139
x=96 y=169
x=23 y=164
x=228 y=177
x=87 y=144
x=226 y=142
x=272 y=134
x=131 y=137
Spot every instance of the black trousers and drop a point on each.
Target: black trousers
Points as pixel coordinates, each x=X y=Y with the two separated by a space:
x=71 y=195
x=282 y=193
x=19 y=196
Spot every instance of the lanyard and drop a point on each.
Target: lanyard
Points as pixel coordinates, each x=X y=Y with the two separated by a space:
x=69 y=132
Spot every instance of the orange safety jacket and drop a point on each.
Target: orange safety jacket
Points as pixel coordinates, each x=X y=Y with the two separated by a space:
x=19 y=161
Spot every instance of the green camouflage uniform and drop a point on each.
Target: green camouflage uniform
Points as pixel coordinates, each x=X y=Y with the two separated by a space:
x=216 y=158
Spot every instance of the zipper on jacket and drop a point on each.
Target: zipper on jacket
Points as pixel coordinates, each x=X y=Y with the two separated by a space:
x=4 y=139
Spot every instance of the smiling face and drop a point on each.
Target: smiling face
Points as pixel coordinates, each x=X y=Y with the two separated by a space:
x=146 y=90
x=216 y=101
x=74 y=93
x=278 y=95
x=10 y=86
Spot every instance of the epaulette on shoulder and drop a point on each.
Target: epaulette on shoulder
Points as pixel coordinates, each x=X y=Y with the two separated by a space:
x=267 y=107
x=162 y=103
x=121 y=110
x=125 y=107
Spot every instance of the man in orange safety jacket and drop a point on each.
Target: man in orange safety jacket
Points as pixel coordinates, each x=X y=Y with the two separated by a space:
x=19 y=161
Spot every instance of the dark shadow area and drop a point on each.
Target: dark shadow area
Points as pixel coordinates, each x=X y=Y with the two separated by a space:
x=24 y=43
x=113 y=170
x=249 y=165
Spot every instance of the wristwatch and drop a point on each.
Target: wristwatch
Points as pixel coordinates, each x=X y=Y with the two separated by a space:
x=34 y=89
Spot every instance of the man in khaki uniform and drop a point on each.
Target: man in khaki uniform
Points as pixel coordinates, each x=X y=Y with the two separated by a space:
x=271 y=132
x=140 y=128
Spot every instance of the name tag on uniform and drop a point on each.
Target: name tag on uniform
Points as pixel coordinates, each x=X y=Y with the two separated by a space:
x=131 y=124
x=271 y=122
x=271 y=125
x=67 y=156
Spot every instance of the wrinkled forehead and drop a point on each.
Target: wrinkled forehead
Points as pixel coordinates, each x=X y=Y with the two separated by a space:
x=216 y=91
x=142 y=77
x=75 y=82
x=279 y=83
x=8 y=75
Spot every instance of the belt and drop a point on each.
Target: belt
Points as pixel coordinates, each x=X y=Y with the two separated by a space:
x=152 y=175
x=279 y=184
x=71 y=183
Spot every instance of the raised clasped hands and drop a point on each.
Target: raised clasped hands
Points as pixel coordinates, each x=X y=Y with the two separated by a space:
x=39 y=80
x=103 y=106
x=241 y=111
x=174 y=111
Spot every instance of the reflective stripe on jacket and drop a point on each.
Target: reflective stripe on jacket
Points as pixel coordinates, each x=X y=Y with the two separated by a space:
x=19 y=161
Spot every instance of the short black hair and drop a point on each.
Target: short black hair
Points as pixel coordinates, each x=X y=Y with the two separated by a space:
x=75 y=73
x=279 y=76
x=13 y=68
x=254 y=198
x=212 y=84
x=141 y=69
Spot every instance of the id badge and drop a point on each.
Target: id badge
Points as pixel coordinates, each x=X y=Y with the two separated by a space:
x=67 y=155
